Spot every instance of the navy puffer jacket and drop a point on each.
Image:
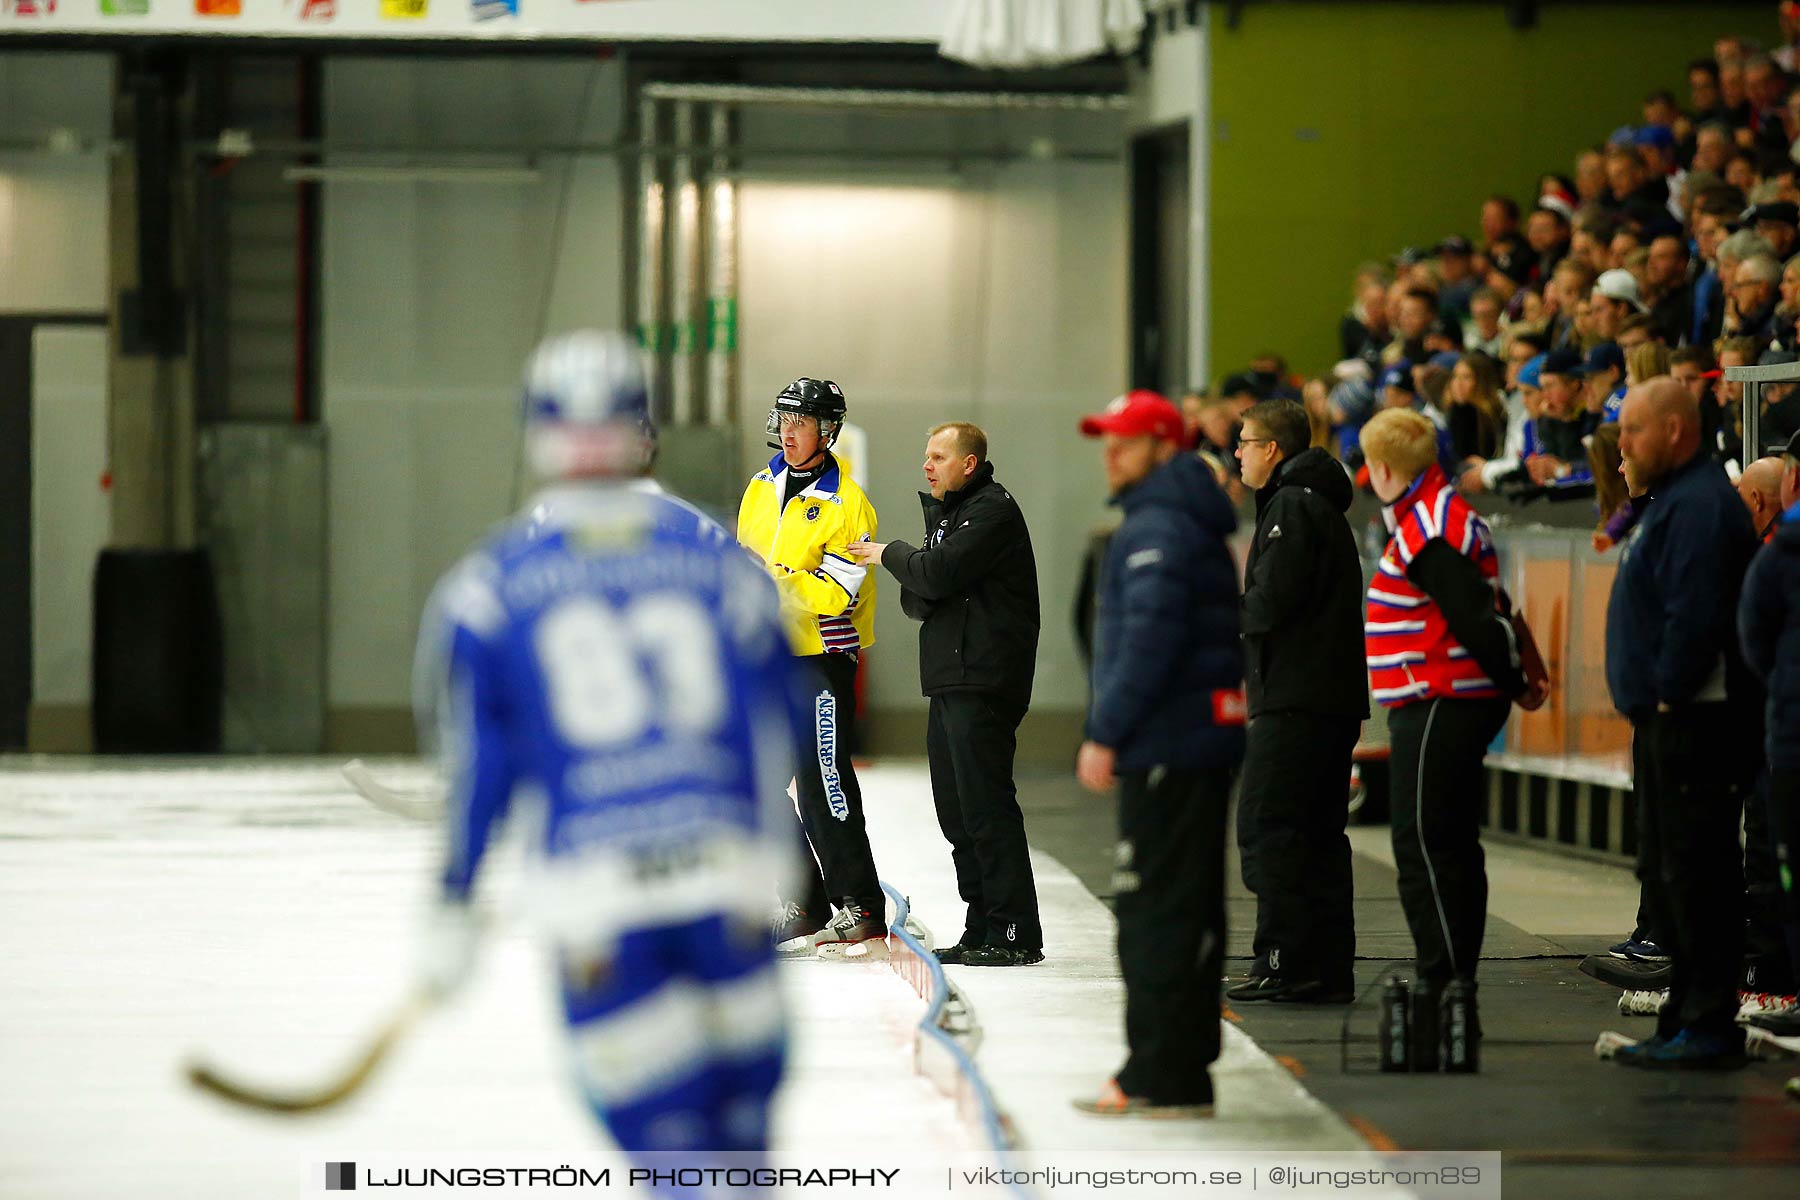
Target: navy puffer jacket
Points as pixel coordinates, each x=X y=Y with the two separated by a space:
x=1168 y=666
x=1769 y=629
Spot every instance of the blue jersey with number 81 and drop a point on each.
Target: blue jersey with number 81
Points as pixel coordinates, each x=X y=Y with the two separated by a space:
x=616 y=667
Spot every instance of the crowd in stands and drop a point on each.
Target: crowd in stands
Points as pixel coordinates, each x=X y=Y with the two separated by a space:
x=1673 y=248
x=1575 y=351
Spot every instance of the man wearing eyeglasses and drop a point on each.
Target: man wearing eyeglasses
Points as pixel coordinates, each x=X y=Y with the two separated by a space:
x=1308 y=695
x=799 y=515
x=1753 y=297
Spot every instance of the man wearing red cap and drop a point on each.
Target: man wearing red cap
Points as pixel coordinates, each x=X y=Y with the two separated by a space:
x=1167 y=722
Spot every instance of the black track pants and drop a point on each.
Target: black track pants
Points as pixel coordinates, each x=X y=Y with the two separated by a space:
x=1438 y=787
x=1169 y=885
x=1688 y=812
x=970 y=741
x=830 y=800
x=1293 y=804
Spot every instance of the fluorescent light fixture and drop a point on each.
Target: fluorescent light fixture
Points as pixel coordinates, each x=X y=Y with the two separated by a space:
x=444 y=174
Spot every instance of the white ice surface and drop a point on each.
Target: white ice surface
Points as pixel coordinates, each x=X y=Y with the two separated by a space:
x=265 y=915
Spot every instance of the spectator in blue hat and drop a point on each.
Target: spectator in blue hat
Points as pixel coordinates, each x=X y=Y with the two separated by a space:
x=1554 y=455
x=1397 y=387
x=1656 y=145
x=1400 y=387
x=1603 y=381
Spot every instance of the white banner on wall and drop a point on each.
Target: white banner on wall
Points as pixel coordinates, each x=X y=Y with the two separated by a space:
x=600 y=20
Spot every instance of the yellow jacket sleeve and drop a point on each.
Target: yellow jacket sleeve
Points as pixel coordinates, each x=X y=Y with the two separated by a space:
x=836 y=583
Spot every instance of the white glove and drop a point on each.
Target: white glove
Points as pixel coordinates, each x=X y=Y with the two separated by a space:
x=447 y=951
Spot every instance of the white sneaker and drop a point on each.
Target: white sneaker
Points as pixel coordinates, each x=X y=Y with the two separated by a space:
x=1756 y=1004
x=1641 y=1002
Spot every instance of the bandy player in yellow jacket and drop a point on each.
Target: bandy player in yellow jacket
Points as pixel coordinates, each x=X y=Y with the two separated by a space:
x=798 y=515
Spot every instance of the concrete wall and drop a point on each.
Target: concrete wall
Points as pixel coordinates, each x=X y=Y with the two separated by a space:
x=1341 y=132
x=997 y=299
x=432 y=296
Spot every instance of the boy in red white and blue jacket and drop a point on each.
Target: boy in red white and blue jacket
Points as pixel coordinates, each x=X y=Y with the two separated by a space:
x=1443 y=661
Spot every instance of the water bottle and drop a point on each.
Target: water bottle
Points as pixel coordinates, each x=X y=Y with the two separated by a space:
x=1462 y=1040
x=1396 y=1003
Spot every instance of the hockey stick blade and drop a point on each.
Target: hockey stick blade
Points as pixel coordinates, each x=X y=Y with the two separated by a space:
x=348 y=1084
x=413 y=808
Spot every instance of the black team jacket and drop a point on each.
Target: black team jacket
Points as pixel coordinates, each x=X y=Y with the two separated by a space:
x=1302 y=613
x=974 y=586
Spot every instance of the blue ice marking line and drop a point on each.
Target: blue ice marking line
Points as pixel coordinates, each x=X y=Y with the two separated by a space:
x=991 y=1121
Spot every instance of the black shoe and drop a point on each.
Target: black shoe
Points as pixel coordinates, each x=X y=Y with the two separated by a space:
x=1000 y=956
x=952 y=956
x=1627 y=974
x=1285 y=991
x=1255 y=988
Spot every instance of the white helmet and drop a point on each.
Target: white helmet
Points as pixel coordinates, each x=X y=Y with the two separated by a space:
x=587 y=406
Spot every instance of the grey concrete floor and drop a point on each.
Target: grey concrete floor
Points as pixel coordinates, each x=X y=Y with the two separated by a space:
x=1567 y=1124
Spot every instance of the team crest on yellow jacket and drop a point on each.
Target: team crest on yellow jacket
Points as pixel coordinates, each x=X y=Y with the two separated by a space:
x=812 y=512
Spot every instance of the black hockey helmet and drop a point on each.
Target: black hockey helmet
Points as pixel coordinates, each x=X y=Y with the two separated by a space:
x=805 y=397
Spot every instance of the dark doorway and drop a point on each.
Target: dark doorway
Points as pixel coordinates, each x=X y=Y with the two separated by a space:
x=15 y=529
x=1159 y=262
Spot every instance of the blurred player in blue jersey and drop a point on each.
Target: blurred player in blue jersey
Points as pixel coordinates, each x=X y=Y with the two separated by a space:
x=615 y=667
